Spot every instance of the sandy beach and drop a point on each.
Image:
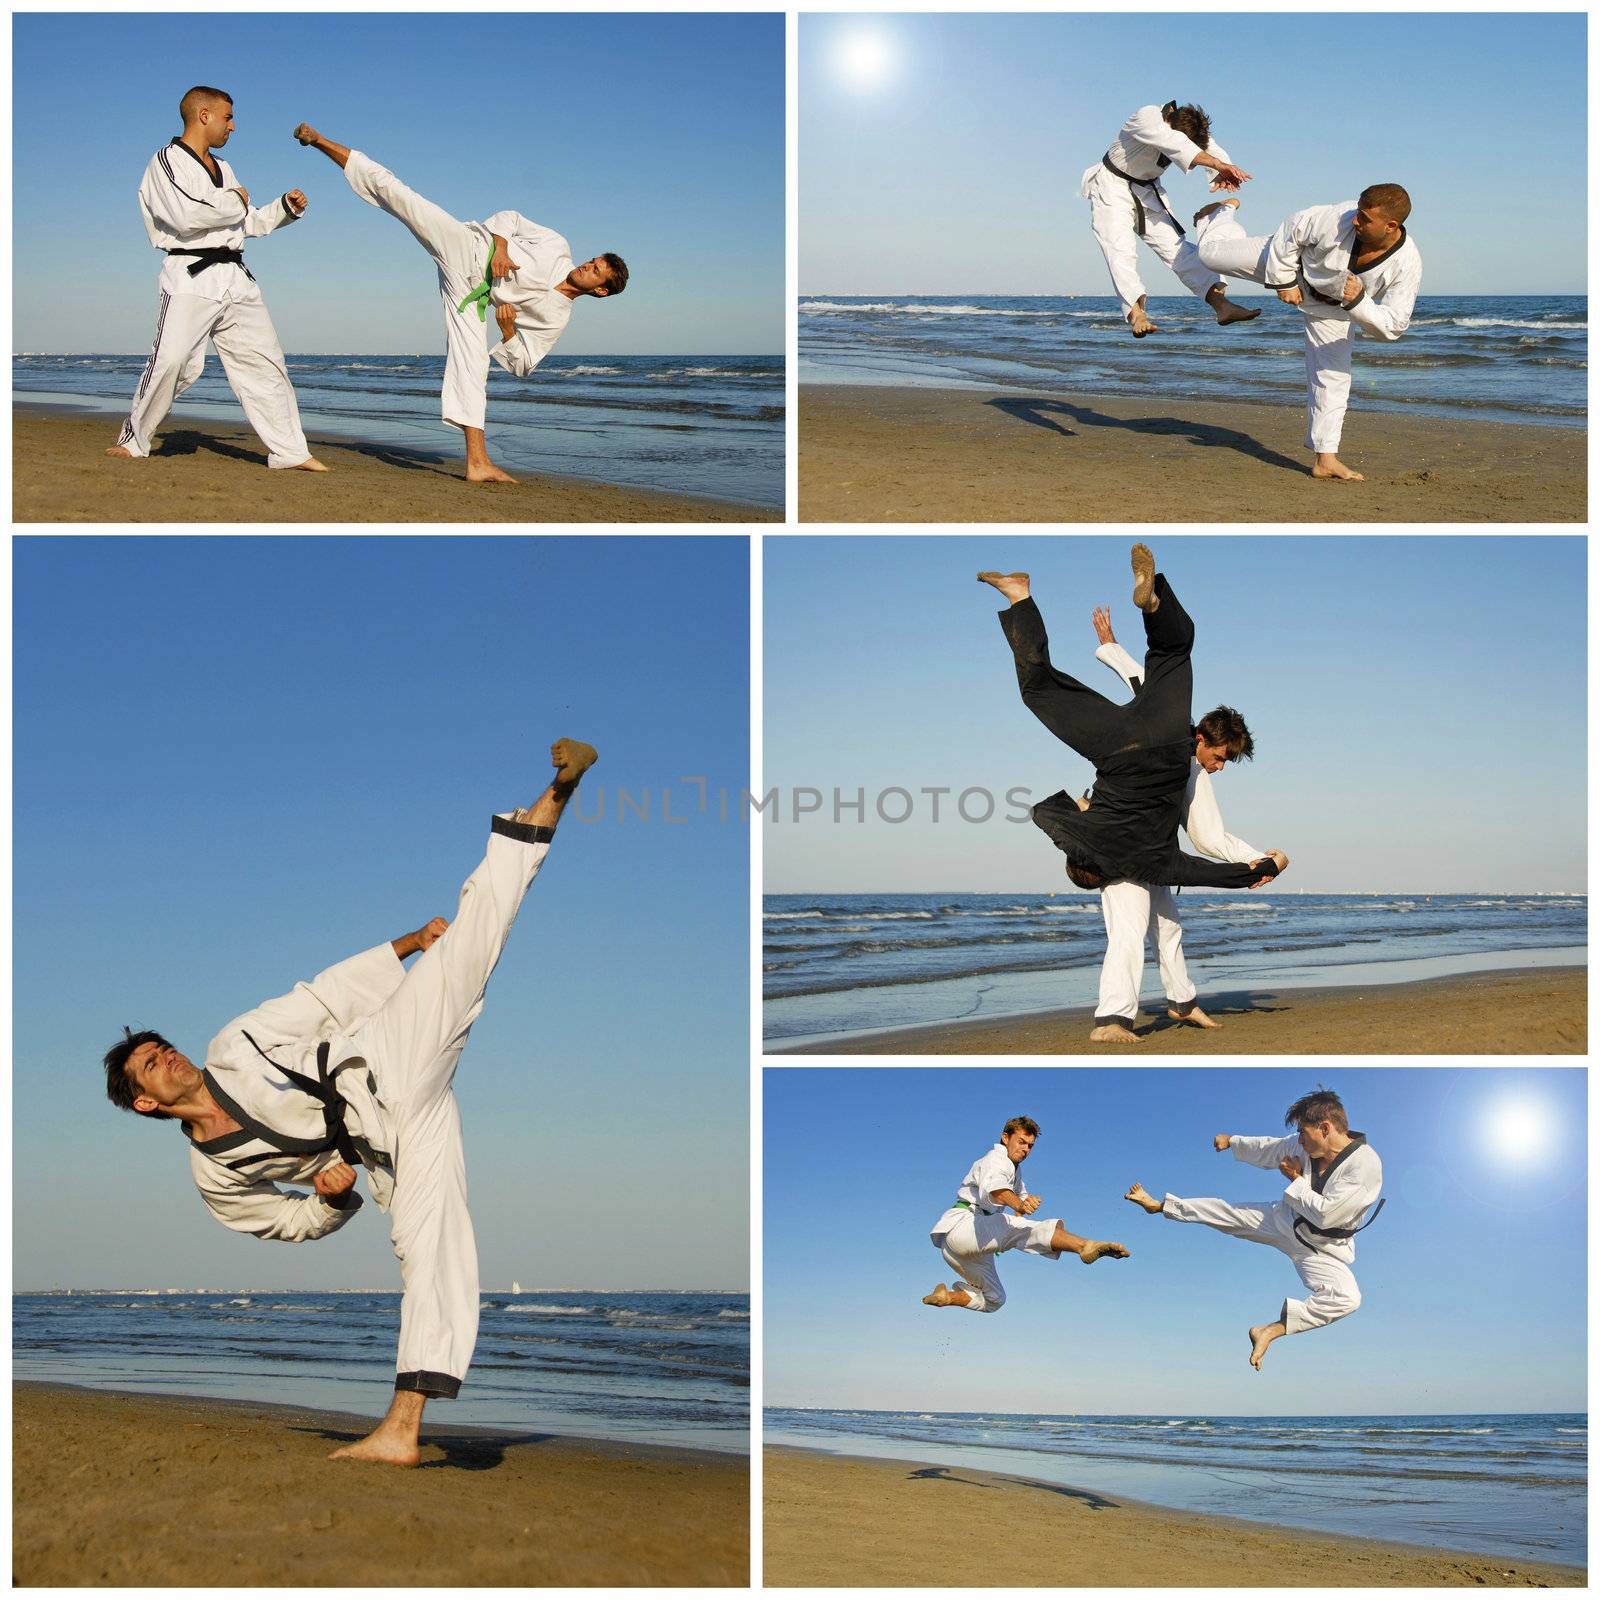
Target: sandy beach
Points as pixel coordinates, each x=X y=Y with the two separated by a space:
x=840 y=1521
x=202 y=473
x=1537 y=1011
x=115 y=1489
x=904 y=454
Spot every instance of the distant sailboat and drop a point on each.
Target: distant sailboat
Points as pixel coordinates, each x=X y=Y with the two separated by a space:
x=516 y=1288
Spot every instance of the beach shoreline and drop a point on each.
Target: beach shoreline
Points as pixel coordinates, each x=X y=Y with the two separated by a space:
x=1520 y=1011
x=485 y=1507
x=202 y=470
x=907 y=453
x=837 y=1521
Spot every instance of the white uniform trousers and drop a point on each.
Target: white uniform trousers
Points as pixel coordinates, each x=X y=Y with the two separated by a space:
x=1114 y=218
x=235 y=320
x=1330 y=334
x=1131 y=911
x=460 y=250
x=969 y=1241
x=413 y=1042
x=1332 y=1284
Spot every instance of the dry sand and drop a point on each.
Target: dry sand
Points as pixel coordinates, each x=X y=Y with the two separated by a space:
x=204 y=473
x=841 y=1521
x=902 y=454
x=1539 y=1011
x=115 y=1489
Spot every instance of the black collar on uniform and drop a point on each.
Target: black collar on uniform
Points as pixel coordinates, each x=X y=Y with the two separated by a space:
x=215 y=177
x=1377 y=261
x=1356 y=1141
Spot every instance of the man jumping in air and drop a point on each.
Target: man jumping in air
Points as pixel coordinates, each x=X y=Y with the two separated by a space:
x=976 y=1228
x=354 y=1069
x=1334 y=1176
x=522 y=270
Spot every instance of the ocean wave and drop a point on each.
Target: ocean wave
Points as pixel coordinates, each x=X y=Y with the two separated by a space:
x=1492 y=322
x=551 y=1311
x=886 y=307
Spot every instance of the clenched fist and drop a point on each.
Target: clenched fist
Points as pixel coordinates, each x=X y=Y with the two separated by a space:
x=332 y=1181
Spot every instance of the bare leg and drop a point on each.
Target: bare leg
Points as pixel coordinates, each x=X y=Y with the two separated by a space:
x=1013 y=585
x=942 y=1296
x=1227 y=311
x=1139 y=321
x=1142 y=1197
x=571 y=758
x=1260 y=1338
x=1328 y=465
x=394 y=1442
x=1086 y=1250
x=480 y=469
x=338 y=154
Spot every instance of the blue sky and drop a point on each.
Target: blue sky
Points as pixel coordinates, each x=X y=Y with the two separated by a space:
x=1418 y=704
x=240 y=760
x=658 y=136
x=1473 y=1278
x=957 y=171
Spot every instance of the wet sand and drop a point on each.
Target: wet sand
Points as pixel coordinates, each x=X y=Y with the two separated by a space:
x=840 y=1521
x=205 y=473
x=904 y=454
x=1533 y=1011
x=116 y=1489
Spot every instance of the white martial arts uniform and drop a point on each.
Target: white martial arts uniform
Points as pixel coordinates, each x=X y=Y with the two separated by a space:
x=975 y=1230
x=1338 y=1201
x=461 y=251
x=357 y=1065
x=1124 y=211
x=186 y=209
x=1312 y=249
x=1134 y=912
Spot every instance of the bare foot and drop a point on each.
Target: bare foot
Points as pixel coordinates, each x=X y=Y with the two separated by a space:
x=1216 y=205
x=1194 y=1016
x=1093 y=1249
x=118 y=450
x=1328 y=465
x=1140 y=322
x=1144 y=578
x=1013 y=585
x=1227 y=311
x=1142 y=1197
x=1113 y=1033
x=310 y=464
x=1261 y=1338
x=573 y=758
x=383 y=1446
x=488 y=473
x=306 y=134
x=940 y=1296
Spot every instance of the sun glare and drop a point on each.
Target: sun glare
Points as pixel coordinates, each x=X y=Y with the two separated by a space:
x=864 y=58
x=1517 y=1130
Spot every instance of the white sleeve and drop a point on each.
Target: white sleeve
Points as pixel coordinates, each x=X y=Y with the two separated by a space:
x=1121 y=663
x=516 y=355
x=996 y=1171
x=1344 y=1198
x=1283 y=253
x=261 y=1208
x=512 y=225
x=330 y=1002
x=1264 y=1151
x=184 y=204
x=1389 y=316
x=1202 y=821
x=1148 y=126
x=262 y=220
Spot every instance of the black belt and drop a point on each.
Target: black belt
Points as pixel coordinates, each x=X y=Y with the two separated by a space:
x=322 y=1090
x=1333 y=1233
x=214 y=258
x=1138 y=205
x=358 y=1152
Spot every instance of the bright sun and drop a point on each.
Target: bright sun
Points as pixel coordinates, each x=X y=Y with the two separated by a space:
x=864 y=58
x=1517 y=1131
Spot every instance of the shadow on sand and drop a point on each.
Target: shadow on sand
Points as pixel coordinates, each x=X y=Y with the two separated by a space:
x=479 y=1452
x=1095 y=1502
x=1237 y=1003
x=184 y=442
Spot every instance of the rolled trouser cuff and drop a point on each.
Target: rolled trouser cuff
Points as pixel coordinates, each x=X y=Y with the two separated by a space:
x=435 y=1385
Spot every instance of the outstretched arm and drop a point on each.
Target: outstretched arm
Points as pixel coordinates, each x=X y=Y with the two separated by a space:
x=287 y=208
x=1192 y=871
x=1112 y=653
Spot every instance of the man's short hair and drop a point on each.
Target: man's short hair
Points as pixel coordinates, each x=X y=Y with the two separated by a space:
x=618 y=281
x=120 y=1088
x=1321 y=1105
x=1191 y=121
x=1025 y=1124
x=1225 y=728
x=1085 y=873
x=1389 y=198
x=202 y=94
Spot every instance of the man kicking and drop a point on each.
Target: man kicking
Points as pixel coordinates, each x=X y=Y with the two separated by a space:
x=1334 y=1176
x=476 y=262
x=1142 y=751
x=1134 y=912
x=355 y=1068
x=1351 y=268
x=200 y=215
x=976 y=1228
x=1127 y=202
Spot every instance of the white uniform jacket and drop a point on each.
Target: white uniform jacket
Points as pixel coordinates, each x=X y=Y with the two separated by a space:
x=1338 y=1200
x=284 y=1128
x=185 y=208
x=1146 y=146
x=990 y=1172
x=1202 y=816
x=1312 y=249
x=543 y=260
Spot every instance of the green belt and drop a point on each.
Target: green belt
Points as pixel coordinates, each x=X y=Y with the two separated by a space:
x=962 y=1205
x=480 y=295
